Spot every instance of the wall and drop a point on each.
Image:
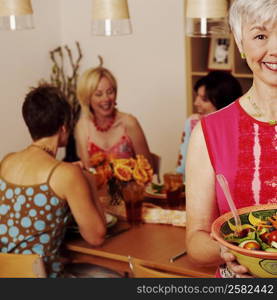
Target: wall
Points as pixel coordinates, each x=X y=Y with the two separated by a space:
x=24 y=61
x=149 y=66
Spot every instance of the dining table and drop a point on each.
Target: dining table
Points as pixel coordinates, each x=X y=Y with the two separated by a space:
x=152 y=245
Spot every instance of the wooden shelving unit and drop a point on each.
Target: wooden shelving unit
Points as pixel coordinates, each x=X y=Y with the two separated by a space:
x=197 y=52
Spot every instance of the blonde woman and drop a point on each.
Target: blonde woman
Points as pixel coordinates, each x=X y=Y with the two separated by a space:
x=238 y=141
x=101 y=126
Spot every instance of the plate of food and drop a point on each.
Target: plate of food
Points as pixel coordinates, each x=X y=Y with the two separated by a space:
x=156 y=190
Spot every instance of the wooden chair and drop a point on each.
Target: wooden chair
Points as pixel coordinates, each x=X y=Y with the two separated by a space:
x=21 y=266
x=141 y=271
x=156 y=159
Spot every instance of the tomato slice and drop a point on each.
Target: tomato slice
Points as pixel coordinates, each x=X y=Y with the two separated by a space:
x=272 y=237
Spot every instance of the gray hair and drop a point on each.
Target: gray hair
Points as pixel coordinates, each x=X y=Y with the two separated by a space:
x=245 y=11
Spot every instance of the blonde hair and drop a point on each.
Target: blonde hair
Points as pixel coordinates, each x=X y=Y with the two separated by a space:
x=88 y=83
x=245 y=11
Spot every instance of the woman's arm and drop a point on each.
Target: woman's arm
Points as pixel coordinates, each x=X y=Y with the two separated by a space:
x=137 y=136
x=81 y=137
x=91 y=179
x=201 y=204
x=71 y=184
x=202 y=209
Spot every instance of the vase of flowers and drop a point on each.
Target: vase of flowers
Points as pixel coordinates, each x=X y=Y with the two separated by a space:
x=126 y=179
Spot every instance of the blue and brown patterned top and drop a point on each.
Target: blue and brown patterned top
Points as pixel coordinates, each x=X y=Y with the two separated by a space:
x=33 y=219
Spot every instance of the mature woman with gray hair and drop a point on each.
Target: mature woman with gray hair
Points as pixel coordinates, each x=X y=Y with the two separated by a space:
x=238 y=141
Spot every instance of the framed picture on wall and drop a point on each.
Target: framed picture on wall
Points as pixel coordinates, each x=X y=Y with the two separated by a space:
x=220 y=54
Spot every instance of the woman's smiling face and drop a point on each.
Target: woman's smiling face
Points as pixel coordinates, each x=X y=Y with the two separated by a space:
x=259 y=44
x=202 y=104
x=103 y=99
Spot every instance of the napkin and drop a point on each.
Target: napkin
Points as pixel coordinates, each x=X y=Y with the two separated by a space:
x=151 y=214
x=155 y=214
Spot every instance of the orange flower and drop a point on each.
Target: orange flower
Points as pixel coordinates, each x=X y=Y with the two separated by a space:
x=140 y=175
x=100 y=180
x=122 y=172
x=107 y=170
x=103 y=174
x=143 y=162
x=150 y=173
x=129 y=162
x=108 y=167
x=97 y=159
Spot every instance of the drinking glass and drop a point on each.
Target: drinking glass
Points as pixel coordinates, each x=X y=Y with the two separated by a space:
x=133 y=196
x=173 y=184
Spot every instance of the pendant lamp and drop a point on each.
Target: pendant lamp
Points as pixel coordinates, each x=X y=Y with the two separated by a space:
x=16 y=14
x=110 y=17
x=205 y=18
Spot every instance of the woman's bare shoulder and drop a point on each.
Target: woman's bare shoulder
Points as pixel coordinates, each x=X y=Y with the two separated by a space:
x=127 y=119
x=81 y=127
x=68 y=171
x=83 y=119
x=67 y=178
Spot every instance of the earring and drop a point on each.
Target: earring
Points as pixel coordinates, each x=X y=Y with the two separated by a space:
x=243 y=56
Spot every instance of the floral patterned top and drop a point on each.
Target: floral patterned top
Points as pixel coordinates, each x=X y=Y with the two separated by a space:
x=33 y=219
x=244 y=150
x=189 y=125
x=122 y=149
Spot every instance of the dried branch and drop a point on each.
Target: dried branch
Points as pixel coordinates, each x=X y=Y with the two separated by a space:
x=66 y=83
x=101 y=61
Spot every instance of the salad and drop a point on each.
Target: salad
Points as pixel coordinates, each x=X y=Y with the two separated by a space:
x=160 y=188
x=257 y=233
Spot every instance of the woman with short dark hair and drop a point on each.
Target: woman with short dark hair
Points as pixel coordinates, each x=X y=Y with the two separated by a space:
x=37 y=192
x=213 y=92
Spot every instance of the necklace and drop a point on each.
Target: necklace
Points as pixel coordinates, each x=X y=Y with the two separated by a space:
x=259 y=113
x=106 y=128
x=44 y=148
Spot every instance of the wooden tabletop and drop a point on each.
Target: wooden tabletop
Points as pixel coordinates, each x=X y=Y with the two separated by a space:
x=153 y=244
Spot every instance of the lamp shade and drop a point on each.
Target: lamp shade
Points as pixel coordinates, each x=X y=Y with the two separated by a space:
x=16 y=14
x=206 y=17
x=110 y=17
x=206 y=8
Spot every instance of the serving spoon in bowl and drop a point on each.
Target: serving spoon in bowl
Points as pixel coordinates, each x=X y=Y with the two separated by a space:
x=226 y=190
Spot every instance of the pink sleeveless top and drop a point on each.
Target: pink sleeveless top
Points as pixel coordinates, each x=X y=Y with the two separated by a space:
x=244 y=150
x=122 y=149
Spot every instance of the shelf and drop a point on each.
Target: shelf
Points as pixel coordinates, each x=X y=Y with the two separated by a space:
x=240 y=75
x=196 y=61
x=237 y=75
x=199 y=73
x=197 y=54
x=199 y=61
